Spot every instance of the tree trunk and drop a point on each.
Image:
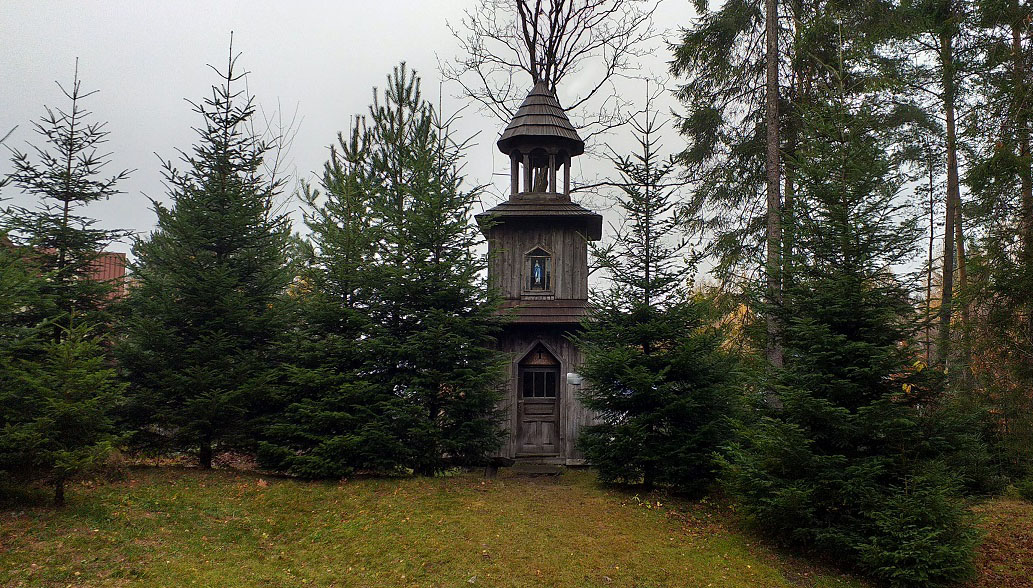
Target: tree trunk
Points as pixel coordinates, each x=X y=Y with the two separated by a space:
x=929 y=269
x=774 y=228
x=204 y=457
x=59 y=492
x=648 y=477
x=947 y=291
x=959 y=237
x=1022 y=129
x=954 y=193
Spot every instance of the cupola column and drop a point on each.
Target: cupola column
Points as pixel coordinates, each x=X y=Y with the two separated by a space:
x=527 y=172
x=514 y=173
x=552 y=172
x=566 y=176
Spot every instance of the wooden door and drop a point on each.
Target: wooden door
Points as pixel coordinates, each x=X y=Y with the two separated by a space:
x=539 y=412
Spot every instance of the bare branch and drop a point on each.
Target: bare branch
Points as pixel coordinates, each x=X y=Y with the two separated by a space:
x=596 y=41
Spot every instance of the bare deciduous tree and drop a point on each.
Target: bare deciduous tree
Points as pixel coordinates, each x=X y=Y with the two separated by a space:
x=599 y=41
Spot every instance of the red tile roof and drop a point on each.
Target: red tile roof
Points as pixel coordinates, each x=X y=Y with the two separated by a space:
x=110 y=266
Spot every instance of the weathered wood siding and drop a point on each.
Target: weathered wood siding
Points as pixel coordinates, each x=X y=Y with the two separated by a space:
x=510 y=243
x=545 y=318
x=573 y=415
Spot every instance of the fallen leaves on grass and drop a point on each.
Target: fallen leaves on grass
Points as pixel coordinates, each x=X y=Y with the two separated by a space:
x=1005 y=558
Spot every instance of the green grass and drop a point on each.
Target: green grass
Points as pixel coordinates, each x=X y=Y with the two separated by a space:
x=177 y=527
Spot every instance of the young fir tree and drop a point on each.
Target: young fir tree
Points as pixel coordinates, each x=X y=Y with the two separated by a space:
x=58 y=414
x=65 y=175
x=432 y=320
x=333 y=421
x=849 y=466
x=203 y=314
x=657 y=375
x=395 y=368
x=21 y=340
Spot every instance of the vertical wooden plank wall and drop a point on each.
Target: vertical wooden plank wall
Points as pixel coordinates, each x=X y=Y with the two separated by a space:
x=569 y=259
x=573 y=415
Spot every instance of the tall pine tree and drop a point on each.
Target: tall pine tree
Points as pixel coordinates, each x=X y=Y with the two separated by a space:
x=749 y=67
x=203 y=313
x=933 y=57
x=731 y=57
x=1001 y=182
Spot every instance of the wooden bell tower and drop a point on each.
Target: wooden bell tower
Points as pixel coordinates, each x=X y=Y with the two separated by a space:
x=538 y=248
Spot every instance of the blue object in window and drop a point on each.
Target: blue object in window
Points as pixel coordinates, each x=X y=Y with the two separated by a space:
x=539 y=276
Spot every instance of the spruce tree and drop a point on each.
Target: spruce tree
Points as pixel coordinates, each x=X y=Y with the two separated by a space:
x=65 y=175
x=203 y=313
x=849 y=466
x=657 y=375
x=395 y=369
x=57 y=390
x=432 y=318
x=331 y=421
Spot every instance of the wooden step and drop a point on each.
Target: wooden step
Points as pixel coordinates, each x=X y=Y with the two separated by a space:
x=523 y=468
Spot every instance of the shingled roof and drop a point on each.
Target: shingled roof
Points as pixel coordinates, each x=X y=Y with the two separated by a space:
x=540 y=116
x=538 y=211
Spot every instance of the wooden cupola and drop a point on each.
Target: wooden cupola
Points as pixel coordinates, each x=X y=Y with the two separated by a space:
x=539 y=142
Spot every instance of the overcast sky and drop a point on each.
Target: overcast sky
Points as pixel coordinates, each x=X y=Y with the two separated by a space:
x=319 y=60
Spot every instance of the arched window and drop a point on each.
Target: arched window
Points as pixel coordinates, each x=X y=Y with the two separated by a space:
x=539 y=270
x=539 y=374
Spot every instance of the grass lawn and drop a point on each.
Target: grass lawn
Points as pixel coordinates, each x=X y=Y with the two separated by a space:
x=181 y=527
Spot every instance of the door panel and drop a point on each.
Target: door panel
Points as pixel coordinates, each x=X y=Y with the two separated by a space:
x=539 y=426
x=538 y=405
